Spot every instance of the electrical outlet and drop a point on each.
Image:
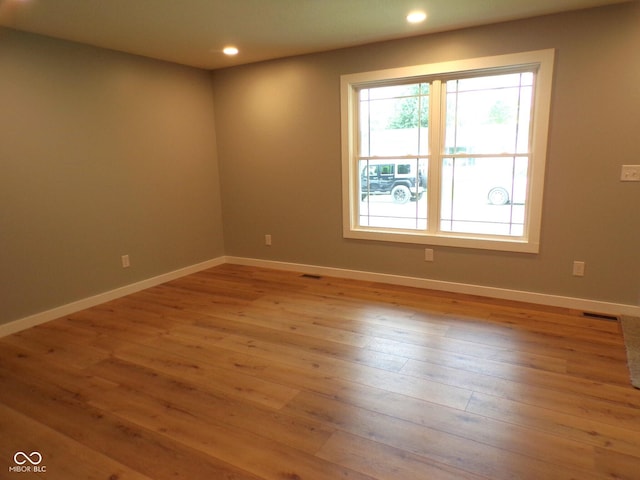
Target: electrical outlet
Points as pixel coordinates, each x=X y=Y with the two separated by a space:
x=630 y=173
x=428 y=254
x=578 y=269
x=267 y=240
x=125 y=261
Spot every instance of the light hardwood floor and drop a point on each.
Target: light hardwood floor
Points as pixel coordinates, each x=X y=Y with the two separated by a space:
x=244 y=373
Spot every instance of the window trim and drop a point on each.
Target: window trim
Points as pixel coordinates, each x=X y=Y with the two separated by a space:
x=541 y=60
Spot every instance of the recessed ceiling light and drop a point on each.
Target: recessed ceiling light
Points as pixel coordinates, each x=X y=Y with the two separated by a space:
x=230 y=51
x=416 y=17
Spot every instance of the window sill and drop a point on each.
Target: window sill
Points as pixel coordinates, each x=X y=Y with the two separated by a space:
x=457 y=240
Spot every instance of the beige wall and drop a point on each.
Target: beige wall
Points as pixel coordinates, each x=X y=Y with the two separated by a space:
x=101 y=154
x=278 y=129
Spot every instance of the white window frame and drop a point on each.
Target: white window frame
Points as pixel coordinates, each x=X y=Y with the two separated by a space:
x=541 y=61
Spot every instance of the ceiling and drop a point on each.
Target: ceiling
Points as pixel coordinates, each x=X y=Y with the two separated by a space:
x=194 y=32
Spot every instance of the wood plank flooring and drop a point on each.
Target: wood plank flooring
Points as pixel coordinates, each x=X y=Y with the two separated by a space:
x=244 y=373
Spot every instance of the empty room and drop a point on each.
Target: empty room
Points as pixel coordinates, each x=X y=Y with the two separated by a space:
x=319 y=239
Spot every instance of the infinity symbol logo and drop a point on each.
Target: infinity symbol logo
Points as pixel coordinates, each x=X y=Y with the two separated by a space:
x=34 y=458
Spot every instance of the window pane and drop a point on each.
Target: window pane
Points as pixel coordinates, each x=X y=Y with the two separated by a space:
x=484 y=195
x=365 y=124
x=394 y=120
x=493 y=81
x=489 y=114
x=392 y=194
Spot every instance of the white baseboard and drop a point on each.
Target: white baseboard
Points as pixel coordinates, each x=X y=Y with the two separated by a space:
x=582 y=304
x=68 y=309
x=586 y=305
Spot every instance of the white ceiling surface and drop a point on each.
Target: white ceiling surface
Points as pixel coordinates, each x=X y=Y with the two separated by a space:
x=193 y=32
